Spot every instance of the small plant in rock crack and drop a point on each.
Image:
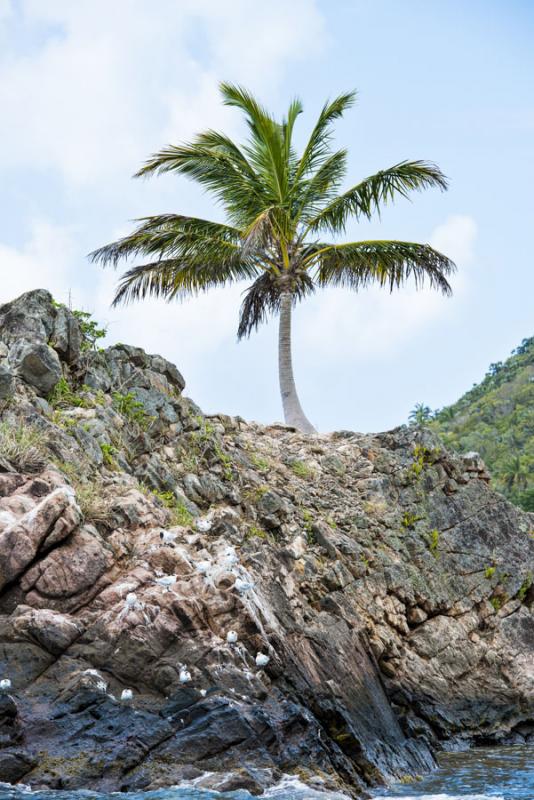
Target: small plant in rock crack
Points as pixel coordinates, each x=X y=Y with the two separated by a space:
x=64 y=396
x=131 y=408
x=23 y=445
x=433 y=542
x=180 y=514
x=525 y=587
x=409 y=519
x=489 y=572
x=422 y=457
x=108 y=452
x=261 y=464
x=302 y=470
x=307 y=520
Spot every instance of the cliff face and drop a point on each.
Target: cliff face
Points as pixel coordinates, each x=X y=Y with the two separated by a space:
x=388 y=586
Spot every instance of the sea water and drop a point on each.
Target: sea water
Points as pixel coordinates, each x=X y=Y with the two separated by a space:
x=505 y=773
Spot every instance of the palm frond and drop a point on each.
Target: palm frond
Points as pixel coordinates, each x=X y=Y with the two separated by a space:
x=317 y=147
x=356 y=265
x=368 y=196
x=266 y=150
x=173 y=278
x=263 y=299
x=173 y=235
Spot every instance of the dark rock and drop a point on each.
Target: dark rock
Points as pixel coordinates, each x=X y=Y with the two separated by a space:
x=39 y=366
x=6 y=382
x=14 y=765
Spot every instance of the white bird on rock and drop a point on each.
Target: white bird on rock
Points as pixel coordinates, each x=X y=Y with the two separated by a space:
x=262 y=660
x=243 y=585
x=166 y=581
x=131 y=600
x=185 y=675
x=127 y=696
x=230 y=558
x=168 y=537
x=231 y=637
x=5 y=685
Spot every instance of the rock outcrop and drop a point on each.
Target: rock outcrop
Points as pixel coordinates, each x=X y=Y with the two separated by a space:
x=389 y=587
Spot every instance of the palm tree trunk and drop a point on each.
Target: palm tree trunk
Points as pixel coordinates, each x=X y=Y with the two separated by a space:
x=293 y=413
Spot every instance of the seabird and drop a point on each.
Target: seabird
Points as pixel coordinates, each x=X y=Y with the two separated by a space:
x=185 y=675
x=166 y=581
x=168 y=537
x=231 y=637
x=262 y=660
x=243 y=585
x=127 y=696
x=230 y=558
x=5 y=685
x=131 y=600
x=203 y=692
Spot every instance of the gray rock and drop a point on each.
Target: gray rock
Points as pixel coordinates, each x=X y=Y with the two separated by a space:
x=39 y=366
x=6 y=382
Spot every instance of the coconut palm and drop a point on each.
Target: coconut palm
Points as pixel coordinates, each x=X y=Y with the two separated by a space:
x=279 y=205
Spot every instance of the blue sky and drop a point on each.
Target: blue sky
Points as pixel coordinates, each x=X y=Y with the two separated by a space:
x=88 y=89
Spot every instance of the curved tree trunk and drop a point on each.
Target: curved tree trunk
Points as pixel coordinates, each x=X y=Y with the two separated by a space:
x=293 y=413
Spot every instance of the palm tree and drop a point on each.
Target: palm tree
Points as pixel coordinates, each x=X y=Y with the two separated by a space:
x=278 y=207
x=420 y=415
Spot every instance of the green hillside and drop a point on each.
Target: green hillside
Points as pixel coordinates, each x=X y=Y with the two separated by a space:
x=496 y=418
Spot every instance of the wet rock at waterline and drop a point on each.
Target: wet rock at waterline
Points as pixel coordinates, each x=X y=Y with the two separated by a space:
x=388 y=589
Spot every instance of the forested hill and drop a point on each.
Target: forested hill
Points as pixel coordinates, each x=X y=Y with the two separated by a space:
x=496 y=418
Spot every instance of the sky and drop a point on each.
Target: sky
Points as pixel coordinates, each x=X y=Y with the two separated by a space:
x=89 y=89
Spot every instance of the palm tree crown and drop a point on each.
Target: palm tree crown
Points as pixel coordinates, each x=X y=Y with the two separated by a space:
x=279 y=206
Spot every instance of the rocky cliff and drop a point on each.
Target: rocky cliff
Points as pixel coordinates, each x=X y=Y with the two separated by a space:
x=336 y=606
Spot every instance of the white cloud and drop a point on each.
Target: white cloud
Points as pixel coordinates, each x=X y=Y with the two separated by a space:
x=113 y=81
x=46 y=260
x=456 y=238
x=6 y=9
x=340 y=325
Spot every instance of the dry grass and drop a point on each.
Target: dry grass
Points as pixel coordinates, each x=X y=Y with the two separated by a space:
x=23 y=445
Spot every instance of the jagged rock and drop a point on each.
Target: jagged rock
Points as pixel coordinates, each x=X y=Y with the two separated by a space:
x=396 y=605
x=6 y=382
x=46 y=524
x=38 y=365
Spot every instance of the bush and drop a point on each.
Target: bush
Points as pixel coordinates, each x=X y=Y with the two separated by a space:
x=23 y=446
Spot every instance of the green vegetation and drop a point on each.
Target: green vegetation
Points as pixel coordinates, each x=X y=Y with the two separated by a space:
x=89 y=328
x=108 y=453
x=302 y=470
x=23 y=445
x=284 y=213
x=433 y=542
x=489 y=572
x=132 y=409
x=496 y=419
x=261 y=464
x=525 y=586
x=409 y=519
x=180 y=515
x=64 y=396
x=422 y=457
x=90 y=331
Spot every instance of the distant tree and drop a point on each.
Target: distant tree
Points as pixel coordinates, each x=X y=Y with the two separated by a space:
x=420 y=415
x=279 y=205
x=515 y=474
x=446 y=414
